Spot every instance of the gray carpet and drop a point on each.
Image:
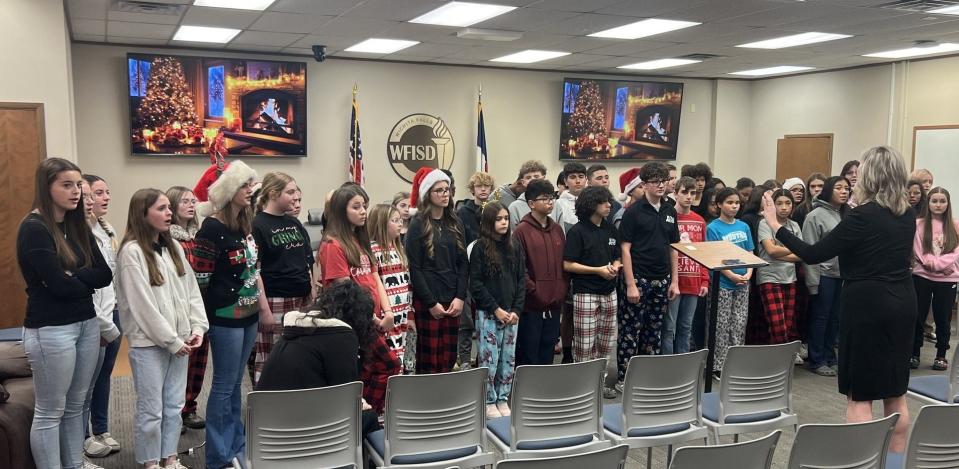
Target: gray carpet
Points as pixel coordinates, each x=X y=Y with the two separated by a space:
x=814 y=397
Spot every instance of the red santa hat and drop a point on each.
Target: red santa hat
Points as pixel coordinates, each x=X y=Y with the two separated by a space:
x=629 y=181
x=423 y=181
x=202 y=188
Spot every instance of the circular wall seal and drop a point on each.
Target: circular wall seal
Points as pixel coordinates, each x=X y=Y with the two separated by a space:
x=417 y=141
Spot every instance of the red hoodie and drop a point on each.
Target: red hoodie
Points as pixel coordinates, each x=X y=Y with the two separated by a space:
x=546 y=282
x=692 y=276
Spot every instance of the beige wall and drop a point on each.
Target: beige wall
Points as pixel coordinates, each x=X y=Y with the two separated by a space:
x=35 y=65
x=731 y=127
x=931 y=97
x=521 y=108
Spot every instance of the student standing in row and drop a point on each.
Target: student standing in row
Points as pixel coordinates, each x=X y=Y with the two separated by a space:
x=542 y=242
x=692 y=278
x=529 y=172
x=564 y=213
x=777 y=281
x=480 y=186
x=383 y=225
x=164 y=320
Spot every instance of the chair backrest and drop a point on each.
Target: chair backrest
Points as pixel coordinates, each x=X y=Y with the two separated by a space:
x=844 y=445
x=557 y=401
x=757 y=378
x=953 y=374
x=608 y=458
x=754 y=454
x=663 y=390
x=435 y=412
x=288 y=429
x=934 y=441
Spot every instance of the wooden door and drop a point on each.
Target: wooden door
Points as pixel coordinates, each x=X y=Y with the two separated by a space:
x=801 y=155
x=22 y=147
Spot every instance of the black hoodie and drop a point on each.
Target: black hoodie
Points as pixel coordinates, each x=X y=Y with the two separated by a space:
x=469 y=214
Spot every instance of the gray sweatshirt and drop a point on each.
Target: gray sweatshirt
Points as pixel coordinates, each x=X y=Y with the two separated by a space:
x=821 y=220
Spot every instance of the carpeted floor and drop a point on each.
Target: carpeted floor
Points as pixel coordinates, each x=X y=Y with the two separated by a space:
x=815 y=400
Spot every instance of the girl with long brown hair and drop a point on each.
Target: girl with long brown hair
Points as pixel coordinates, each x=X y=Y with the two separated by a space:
x=383 y=225
x=61 y=265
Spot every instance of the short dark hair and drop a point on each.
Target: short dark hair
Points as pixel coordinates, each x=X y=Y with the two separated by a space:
x=561 y=178
x=771 y=184
x=725 y=193
x=653 y=170
x=537 y=188
x=711 y=182
x=743 y=183
x=784 y=193
x=670 y=167
x=593 y=168
x=698 y=170
x=846 y=167
x=573 y=168
x=685 y=183
x=589 y=199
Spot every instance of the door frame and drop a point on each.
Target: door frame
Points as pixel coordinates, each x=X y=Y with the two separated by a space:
x=40 y=121
x=832 y=143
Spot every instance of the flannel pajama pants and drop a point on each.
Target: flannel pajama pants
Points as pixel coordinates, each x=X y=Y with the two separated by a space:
x=641 y=324
x=779 y=304
x=497 y=352
x=435 y=342
x=265 y=340
x=731 y=315
x=195 y=372
x=379 y=363
x=594 y=325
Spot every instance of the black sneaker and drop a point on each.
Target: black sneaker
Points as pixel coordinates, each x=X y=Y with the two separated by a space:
x=940 y=364
x=192 y=420
x=914 y=363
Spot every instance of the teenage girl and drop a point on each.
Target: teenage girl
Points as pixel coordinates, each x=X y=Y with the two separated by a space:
x=164 y=320
x=498 y=286
x=935 y=272
x=61 y=265
x=777 y=281
x=401 y=202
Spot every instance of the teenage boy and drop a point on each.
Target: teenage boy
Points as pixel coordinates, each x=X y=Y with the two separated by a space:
x=649 y=268
x=693 y=278
x=543 y=242
x=592 y=258
x=598 y=175
x=669 y=195
x=480 y=186
x=564 y=213
x=519 y=208
x=508 y=193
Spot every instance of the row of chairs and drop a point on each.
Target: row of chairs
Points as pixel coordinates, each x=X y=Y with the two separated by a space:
x=938 y=388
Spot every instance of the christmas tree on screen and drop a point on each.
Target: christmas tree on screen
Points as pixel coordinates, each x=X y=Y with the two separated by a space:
x=588 y=116
x=168 y=97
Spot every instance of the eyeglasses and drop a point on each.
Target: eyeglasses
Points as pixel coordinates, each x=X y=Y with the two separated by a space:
x=548 y=200
x=441 y=190
x=655 y=183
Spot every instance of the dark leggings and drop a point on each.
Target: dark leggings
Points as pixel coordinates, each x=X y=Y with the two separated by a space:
x=941 y=295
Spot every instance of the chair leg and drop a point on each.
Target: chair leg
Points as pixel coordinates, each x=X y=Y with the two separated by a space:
x=649 y=457
x=736 y=438
x=669 y=455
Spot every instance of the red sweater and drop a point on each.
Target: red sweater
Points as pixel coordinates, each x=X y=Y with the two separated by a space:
x=692 y=276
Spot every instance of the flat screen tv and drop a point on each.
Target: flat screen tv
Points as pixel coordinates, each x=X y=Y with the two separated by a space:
x=179 y=105
x=620 y=120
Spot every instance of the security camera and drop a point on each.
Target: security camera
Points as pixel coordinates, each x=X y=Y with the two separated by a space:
x=319 y=52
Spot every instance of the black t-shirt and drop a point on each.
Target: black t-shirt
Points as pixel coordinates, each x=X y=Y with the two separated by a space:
x=651 y=232
x=285 y=255
x=592 y=246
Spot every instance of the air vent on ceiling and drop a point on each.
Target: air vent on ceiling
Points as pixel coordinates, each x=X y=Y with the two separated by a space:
x=151 y=8
x=921 y=6
x=699 y=56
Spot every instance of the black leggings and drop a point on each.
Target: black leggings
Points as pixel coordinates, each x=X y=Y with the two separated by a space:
x=941 y=295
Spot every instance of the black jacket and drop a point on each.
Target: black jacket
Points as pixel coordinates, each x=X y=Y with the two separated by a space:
x=504 y=289
x=469 y=214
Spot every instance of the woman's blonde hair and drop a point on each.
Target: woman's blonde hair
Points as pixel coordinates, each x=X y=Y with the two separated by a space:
x=882 y=179
x=140 y=231
x=378 y=227
x=272 y=182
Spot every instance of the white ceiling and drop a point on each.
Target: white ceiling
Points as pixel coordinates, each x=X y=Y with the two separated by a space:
x=293 y=26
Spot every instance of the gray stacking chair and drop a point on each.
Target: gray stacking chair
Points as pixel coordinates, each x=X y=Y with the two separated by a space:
x=842 y=446
x=753 y=454
x=661 y=395
x=754 y=392
x=933 y=442
x=433 y=421
x=556 y=410
x=610 y=458
x=937 y=389
x=288 y=429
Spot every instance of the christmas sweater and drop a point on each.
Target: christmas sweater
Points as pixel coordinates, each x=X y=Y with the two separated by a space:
x=692 y=276
x=396 y=280
x=225 y=264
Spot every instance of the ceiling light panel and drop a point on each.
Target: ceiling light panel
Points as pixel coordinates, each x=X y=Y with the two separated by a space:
x=462 y=14
x=530 y=56
x=794 y=40
x=644 y=28
x=205 y=34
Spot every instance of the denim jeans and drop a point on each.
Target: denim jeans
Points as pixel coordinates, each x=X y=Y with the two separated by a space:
x=96 y=412
x=225 y=436
x=159 y=379
x=678 y=324
x=824 y=323
x=89 y=397
x=63 y=360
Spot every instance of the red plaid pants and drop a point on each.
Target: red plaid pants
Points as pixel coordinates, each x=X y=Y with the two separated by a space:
x=265 y=340
x=779 y=305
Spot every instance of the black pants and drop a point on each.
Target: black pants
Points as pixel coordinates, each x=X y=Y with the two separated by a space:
x=941 y=295
x=536 y=337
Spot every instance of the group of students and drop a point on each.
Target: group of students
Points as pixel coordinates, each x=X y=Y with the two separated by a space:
x=226 y=270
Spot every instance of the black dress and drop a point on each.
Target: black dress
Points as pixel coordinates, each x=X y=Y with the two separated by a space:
x=878 y=303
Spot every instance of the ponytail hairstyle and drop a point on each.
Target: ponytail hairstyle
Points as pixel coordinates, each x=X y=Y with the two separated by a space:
x=950 y=239
x=487 y=239
x=114 y=242
x=272 y=187
x=140 y=231
x=377 y=227
x=354 y=240
x=74 y=221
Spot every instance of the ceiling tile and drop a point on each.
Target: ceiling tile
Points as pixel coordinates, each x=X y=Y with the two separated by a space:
x=408 y=58
x=578 y=6
x=253 y=48
x=220 y=17
x=142 y=17
x=630 y=48
x=144 y=30
x=289 y=22
x=581 y=43
x=586 y=23
x=525 y=19
x=431 y=51
x=314 y=7
x=264 y=38
x=89 y=37
x=90 y=9
x=666 y=9
x=84 y=26
x=395 y=10
x=136 y=40
x=417 y=32
x=332 y=43
x=355 y=27
x=359 y=55
x=455 y=60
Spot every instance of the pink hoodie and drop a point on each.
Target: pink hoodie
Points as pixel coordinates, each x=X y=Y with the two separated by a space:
x=932 y=266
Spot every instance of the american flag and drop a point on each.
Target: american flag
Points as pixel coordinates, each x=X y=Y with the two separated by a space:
x=357 y=171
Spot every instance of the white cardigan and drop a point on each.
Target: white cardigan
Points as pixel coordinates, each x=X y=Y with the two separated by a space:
x=163 y=316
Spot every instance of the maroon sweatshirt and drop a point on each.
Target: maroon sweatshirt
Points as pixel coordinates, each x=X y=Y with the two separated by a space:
x=546 y=282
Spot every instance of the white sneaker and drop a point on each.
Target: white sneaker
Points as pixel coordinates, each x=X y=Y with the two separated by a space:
x=492 y=412
x=176 y=465
x=107 y=439
x=804 y=351
x=503 y=407
x=799 y=360
x=619 y=386
x=94 y=448
x=89 y=465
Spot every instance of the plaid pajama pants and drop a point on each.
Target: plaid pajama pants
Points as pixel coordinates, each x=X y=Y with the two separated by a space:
x=435 y=342
x=641 y=324
x=265 y=340
x=594 y=325
x=195 y=373
x=779 y=304
x=379 y=363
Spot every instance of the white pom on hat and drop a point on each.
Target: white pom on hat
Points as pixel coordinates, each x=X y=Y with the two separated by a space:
x=225 y=187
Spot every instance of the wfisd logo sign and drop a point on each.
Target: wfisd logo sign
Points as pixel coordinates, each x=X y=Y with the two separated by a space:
x=419 y=140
